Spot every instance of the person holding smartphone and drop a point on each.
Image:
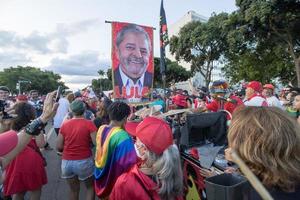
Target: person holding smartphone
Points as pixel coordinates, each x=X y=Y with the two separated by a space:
x=11 y=144
x=62 y=111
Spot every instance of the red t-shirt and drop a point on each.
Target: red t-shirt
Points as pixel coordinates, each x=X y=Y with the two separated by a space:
x=77 y=139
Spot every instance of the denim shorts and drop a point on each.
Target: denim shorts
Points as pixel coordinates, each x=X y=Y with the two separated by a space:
x=81 y=168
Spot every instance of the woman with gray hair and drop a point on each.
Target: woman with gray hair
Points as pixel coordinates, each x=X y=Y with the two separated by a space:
x=158 y=175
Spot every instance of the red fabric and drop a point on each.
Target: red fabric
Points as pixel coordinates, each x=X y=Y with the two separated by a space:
x=194 y=153
x=269 y=86
x=22 y=97
x=180 y=100
x=214 y=106
x=8 y=141
x=196 y=103
x=230 y=107
x=135 y=185
x=130 y=127
x=255 y=85
x=77 y=139
x=155 y=133
x=192 y=172
x=94 y=105
x=26 y=172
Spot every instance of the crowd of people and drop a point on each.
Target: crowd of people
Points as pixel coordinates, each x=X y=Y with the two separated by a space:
x=121 y=153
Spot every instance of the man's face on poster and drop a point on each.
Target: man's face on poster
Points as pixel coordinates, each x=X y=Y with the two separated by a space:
x=133 y=54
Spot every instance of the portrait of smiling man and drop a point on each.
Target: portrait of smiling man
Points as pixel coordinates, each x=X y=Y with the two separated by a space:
x=132 y=81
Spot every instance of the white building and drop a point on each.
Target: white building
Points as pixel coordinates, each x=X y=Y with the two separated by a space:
x=173 y=30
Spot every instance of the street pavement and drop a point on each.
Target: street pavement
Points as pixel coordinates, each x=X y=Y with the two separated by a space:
x=57 y=188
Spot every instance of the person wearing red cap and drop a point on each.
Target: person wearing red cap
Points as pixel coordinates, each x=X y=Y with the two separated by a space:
x=158 y=175
x=268 y=92
x=220 y=99
x=22 y=98
x=181 y=99
x=253 y=95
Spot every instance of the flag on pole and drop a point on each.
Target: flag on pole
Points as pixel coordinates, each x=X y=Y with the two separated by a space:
x=163 y=38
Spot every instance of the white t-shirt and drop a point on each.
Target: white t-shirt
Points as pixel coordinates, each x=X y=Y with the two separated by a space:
x=62 y=110
x=256 y=101
x=273 y=101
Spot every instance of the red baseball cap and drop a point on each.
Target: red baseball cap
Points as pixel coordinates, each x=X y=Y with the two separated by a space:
x=255 y=85
x=269 y=86
x=22 y=97
x=8 y=141
x=130 y=127
x=155 y=133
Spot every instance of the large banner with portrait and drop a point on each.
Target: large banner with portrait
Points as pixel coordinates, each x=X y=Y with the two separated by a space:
x=132 y=62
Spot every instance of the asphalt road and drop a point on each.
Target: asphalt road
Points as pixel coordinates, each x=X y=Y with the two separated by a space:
x=57 y=188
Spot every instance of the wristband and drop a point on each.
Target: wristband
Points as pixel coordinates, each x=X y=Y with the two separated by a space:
x=34 y=127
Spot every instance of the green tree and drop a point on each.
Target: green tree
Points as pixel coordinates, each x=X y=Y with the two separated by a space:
x=266 y=27
x=201 y=44
x=109 y=74
x=104 y=82
x=262 y=64
x=101 y=72
x=175 y=73
x=43 y=81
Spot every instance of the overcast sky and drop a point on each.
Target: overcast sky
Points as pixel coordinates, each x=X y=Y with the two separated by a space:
x=71 y=37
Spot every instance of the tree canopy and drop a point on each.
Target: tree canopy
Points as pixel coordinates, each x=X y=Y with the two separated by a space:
x=258 y=41
x=104 y=82
x=264 y=41
x=42 y=81
x=174 y=73
x=201 y=44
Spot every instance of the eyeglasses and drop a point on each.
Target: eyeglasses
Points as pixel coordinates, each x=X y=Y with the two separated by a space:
x=139 y=145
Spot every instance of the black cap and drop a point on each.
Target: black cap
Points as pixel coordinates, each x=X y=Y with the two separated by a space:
x=4 y=88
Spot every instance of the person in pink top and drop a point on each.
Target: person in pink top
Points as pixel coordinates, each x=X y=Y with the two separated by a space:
x=75 y=140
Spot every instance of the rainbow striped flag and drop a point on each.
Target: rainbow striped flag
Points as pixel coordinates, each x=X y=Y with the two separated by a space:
x=115 y=155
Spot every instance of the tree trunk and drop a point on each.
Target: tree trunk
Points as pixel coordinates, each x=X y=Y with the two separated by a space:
x=207 y=79
x=297 y=66
x=207 y=83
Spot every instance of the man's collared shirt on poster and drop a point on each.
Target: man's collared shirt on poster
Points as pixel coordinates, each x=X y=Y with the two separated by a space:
x=128 y=83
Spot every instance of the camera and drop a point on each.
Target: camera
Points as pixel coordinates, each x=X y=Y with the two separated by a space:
x=3 y=104
x=40 y=105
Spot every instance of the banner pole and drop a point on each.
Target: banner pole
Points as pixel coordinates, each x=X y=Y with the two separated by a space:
x=254 y=181
x=164 y=88
x=110 y=22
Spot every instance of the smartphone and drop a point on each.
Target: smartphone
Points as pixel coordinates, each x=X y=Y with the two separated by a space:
x=58 y=93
